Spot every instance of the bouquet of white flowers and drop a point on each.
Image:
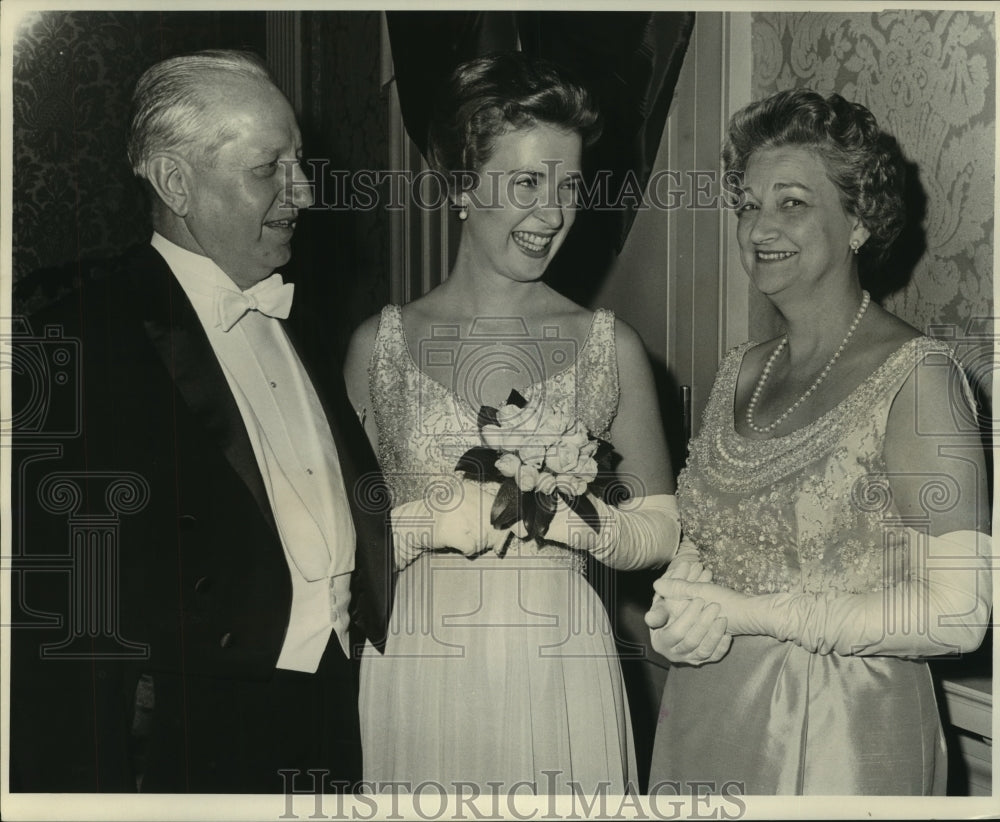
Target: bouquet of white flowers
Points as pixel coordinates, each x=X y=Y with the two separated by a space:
x=539 y=456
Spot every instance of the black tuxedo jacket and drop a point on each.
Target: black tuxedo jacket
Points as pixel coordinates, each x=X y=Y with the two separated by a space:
x=145 y=542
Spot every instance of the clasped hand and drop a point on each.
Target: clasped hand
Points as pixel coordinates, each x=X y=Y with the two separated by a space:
x=459 y=521
x=685 y=621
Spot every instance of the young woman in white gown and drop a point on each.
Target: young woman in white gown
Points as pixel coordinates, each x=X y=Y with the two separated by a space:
x=500 y=667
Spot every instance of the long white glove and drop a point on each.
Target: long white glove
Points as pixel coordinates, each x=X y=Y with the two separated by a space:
x=687 y=631
x=642 y=532
x=460 y=523
x=687 y=552
x=943 y=606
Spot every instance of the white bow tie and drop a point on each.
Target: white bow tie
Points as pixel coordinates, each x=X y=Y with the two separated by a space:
x=272 y=297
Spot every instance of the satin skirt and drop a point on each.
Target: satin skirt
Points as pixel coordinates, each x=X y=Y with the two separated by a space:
x=776 y=719
x=498 y=672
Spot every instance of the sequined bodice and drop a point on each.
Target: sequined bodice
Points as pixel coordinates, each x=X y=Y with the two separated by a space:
x=424 y=426
x=802 y=512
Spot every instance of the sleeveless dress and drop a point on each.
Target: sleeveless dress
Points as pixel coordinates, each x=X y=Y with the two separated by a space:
x=804 y=512
x=496 y=670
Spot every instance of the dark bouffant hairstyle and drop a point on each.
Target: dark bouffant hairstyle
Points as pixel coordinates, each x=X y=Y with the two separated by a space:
x=863 y=162
x=486 y=97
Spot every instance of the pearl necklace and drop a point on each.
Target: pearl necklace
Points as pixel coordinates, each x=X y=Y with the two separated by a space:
x=865 y=300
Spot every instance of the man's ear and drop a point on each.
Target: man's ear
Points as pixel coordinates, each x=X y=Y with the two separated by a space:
x=171 y=177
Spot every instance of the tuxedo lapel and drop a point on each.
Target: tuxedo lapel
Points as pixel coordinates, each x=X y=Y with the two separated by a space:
x=176 y=333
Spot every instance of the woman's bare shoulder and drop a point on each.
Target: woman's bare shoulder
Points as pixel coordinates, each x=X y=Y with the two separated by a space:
x=887 y=332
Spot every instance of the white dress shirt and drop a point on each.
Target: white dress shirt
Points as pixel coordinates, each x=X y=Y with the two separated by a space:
x=295 y=452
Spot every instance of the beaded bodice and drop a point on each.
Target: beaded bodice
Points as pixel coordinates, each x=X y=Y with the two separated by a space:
x=424 y=426
x=801 y=512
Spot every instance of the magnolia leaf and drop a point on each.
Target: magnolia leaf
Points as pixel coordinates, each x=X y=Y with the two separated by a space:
x=515 y=399
x=600 y=483
x=487 y=416
x=480 y=464
x=502 y=550
x=585 y=510
x=602 y=456
x=548 y=502
x=505 y=507
x=541 y=516
x=528 y=509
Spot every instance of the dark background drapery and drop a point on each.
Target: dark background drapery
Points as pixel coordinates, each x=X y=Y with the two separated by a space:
x=629 y=60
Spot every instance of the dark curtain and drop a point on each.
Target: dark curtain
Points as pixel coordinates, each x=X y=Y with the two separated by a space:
x=629 y=60
x=340 y=261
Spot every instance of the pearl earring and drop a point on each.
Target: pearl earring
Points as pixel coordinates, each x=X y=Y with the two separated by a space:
x=463 y=213
x=855 y=246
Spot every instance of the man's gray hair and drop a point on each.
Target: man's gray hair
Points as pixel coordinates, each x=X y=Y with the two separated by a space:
x=170 y=106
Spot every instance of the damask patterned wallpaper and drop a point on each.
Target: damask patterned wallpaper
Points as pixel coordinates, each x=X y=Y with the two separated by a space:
x=929 y=78
x=74 y=196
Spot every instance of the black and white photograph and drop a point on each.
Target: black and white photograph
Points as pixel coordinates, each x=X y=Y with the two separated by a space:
x=497 y=411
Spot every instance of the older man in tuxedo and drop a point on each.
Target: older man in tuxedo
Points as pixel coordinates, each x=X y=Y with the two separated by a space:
x=249 y=563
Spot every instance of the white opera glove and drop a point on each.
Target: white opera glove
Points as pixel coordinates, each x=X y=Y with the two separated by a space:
x=687 y=551
x=642 y=532
x=686 y=564
x=461 y=523
x=687 y=631
x=943 y=608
